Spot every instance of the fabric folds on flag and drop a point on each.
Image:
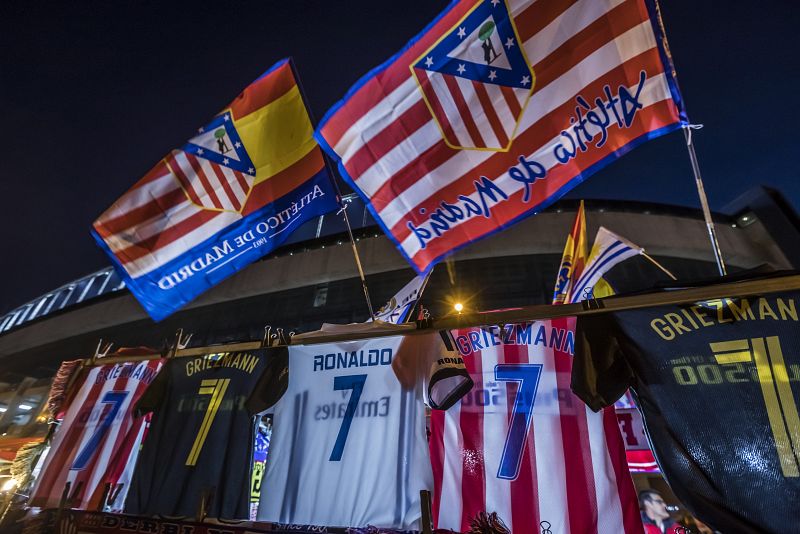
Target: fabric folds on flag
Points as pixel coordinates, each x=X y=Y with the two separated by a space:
x=608 y=250
x=497 y=109
x=230 y=195
x=573 y=259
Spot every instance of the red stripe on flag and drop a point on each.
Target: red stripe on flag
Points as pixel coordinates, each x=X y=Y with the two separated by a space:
x=593 y=37
x=537 y=136
x=167 y=236
x=395 y=74
x=473 y=477
x=263 y=91
x=201 y=175
x=534 y=136
x=130 y=219
x=242 y=181
x=433 y=101
x=463 y=110
x=436 y=447
x=491 y=113
x=536 y=17
x=376 y=148
x=184 y=180
x=262 y=194
x=627 y=492
x=651 y=118
x=524 y=495
x=234 y=200
x=511 y=100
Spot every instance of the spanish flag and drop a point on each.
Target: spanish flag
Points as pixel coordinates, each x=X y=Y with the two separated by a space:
x=573 y=259
x=231 y=194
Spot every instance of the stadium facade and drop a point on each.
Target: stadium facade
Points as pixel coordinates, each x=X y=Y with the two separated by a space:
x=313 y=278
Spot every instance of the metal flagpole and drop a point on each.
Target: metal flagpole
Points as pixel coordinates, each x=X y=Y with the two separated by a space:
x=701 y=192
x=698 y=179
x=654 y=262
x=343 y=209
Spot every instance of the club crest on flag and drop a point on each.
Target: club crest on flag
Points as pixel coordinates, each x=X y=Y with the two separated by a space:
x=476 y=80
x=213 y=168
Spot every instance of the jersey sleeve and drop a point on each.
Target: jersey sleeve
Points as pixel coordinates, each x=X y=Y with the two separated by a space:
x=155 y=393
x=443 y=371
x=600 y=372
x=273 y=382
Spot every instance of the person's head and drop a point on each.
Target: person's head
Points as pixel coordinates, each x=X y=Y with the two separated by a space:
x=652 y=504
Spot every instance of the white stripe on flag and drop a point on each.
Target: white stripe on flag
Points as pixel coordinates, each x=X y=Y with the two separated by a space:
x=381 y=115
x=157 y=258
x=478 y=115
x=407 y=94
x=216 y=184
x=574 y=19
x=153 y=226
x=655 y=90
x=194 y=182
x=542 y=102
x=139 y=196
x=447 y=102
x=507 y=120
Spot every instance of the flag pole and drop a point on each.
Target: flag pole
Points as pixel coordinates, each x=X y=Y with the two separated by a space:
x=698 y=179
x=654 y=262
x=343 y=209
x=701 y=192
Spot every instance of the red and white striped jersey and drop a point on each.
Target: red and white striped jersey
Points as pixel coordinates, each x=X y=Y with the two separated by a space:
x=98 y=440
x=523 y=445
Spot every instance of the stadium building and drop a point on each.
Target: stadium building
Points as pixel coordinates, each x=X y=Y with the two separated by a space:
x=313 y=278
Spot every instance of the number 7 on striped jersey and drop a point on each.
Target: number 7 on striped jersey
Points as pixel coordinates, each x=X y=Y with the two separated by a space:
x=115 y=399
x=526 y=375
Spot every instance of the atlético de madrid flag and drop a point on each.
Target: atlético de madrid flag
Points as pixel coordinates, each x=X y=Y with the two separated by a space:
x=497 y=109
x=230 y=195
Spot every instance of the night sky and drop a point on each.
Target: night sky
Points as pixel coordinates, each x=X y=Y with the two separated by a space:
x=93 y=94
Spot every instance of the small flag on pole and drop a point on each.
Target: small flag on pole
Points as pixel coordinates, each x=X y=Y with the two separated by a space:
x=399 y=308
x=233 y=193
x=497 y=109
x=608 y=250
x=573 y=258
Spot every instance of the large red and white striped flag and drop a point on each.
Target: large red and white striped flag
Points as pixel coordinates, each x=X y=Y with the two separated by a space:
x=523 y=445
x=496 y=110
x=98 y=441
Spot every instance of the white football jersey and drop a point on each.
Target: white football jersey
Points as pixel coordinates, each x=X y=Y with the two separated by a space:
x=349 y=444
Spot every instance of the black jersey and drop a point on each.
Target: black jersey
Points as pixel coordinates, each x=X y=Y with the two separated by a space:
x=200 y=440
x=718 y=383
